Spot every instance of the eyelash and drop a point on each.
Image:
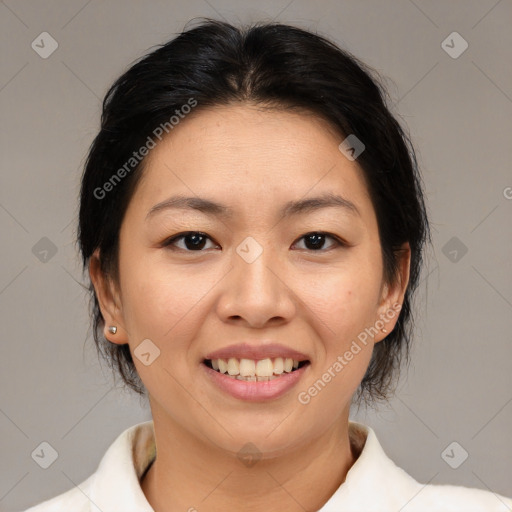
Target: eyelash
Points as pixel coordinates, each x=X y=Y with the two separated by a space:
x=170 y=241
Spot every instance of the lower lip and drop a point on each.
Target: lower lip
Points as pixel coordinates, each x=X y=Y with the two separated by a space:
x=255 y=391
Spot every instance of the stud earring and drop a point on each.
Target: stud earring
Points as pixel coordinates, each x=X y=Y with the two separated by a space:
x=112 y=329
x=384 y=331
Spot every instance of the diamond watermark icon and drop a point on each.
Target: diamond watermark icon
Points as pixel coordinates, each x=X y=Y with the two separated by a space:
x=454 y=249
x=454 y=45
x=146 y=352
x=249 y=250
x=249 y=455
x=454 y=455
x=44 y=250
x=45 y=455
x=44 y=45
x=351 y=147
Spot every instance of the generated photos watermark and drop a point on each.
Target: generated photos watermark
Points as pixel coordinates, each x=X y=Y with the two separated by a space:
x=337 y=366
x=137 y=156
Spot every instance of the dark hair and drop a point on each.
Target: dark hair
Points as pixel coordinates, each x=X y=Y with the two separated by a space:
x=276 y=66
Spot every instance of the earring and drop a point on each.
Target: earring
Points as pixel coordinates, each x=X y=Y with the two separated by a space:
x=384 y=331
x=112 y=329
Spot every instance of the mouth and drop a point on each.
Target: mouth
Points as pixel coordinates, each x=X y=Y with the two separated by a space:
x=255 y=380
x=255 y=370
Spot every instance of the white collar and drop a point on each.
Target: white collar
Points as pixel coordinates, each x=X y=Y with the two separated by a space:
x=116 y=482
x=373 y=484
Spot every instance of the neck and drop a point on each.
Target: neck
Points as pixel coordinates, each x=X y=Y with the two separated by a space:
x=190 y=474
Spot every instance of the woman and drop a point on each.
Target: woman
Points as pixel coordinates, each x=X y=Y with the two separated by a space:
x=253 y=224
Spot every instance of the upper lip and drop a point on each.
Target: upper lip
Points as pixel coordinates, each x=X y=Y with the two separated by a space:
x=260 y=351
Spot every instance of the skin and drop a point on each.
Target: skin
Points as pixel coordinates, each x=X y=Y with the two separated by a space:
x=189 y=303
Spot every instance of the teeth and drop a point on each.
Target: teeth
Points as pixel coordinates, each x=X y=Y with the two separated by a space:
x=251 y=370
x=264 y=368
x=253 y=378
x=233 y=366
x=223 y=366
x=247 y=368
x=278 y=366
x=250 y=378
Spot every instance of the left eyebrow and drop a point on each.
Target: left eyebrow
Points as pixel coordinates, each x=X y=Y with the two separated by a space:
x=291 y=208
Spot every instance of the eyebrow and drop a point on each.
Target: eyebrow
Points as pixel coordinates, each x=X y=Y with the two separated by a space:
x=291 y=208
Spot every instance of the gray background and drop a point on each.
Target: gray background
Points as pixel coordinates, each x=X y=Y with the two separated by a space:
x=458 y=110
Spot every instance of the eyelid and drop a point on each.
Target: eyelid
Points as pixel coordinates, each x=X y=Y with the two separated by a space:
x=168 y=241
x=339 y=242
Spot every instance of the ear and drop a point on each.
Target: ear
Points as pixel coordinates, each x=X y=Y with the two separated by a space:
x=392 y=296
x=109 y=301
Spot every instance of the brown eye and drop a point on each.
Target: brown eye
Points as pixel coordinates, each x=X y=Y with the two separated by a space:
x=195 y=241
x=315 y=241
x=192 y=241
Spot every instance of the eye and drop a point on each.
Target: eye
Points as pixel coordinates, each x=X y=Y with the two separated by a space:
x=195 y=241
x=314 y=241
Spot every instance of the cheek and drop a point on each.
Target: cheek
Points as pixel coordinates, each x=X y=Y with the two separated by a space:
x=162 y=306
x=345 y=301
x=165 y=304
x=156 y=296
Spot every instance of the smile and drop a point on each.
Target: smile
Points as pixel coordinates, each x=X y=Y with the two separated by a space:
x=255 y=380
x=251 y=370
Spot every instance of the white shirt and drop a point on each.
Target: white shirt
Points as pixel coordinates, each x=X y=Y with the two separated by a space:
x=373 y=483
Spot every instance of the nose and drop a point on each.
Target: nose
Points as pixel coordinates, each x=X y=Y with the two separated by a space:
x=257 y=293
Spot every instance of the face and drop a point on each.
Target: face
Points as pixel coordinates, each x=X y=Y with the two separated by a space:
x=308 y=279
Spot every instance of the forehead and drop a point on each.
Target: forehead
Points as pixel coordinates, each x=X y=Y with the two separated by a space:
x=250 y=157
x=263 y=132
